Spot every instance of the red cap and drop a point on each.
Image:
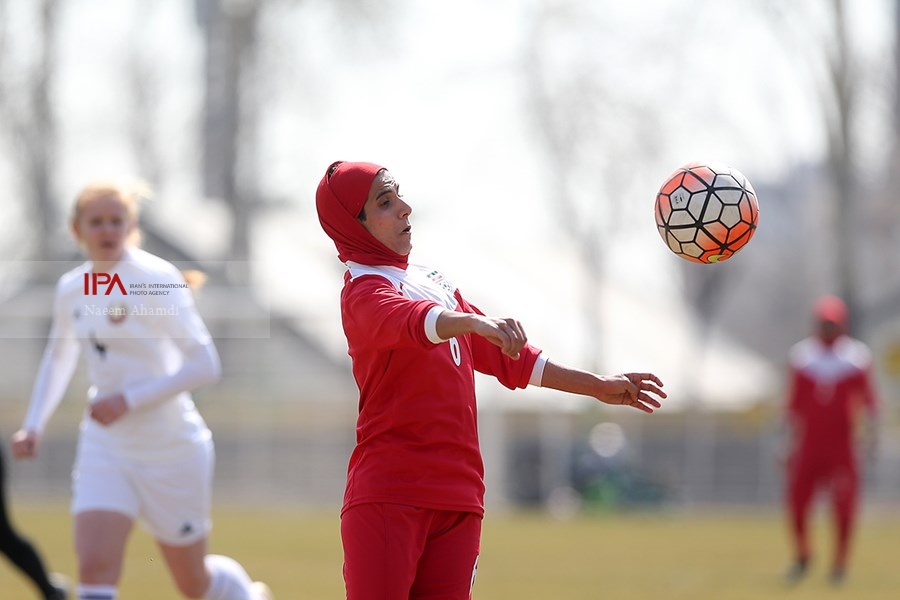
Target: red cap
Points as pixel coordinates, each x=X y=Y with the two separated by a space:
x=831 y=308
x=340 y=198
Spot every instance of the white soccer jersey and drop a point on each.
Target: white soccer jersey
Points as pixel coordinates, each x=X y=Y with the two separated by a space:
x=140 y=334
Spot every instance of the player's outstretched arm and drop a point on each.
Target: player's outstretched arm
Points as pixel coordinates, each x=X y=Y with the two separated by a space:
x=640 y=390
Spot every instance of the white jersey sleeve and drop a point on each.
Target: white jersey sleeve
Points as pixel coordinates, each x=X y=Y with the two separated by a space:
x=57 y=365
x=200 y=360
x=537 y=372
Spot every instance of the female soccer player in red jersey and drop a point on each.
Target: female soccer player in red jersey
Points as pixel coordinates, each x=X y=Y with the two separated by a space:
x=414 y=501
x=830 y=385
x=144 y=450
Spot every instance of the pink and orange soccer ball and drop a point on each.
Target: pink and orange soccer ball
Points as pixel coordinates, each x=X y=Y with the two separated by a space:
x=706 y=212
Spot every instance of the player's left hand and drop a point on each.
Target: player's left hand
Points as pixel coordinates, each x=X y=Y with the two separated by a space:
x=633 y=389
x=109 y=409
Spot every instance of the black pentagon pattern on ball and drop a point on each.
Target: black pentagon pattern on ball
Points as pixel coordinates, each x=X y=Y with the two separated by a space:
x=704 y=216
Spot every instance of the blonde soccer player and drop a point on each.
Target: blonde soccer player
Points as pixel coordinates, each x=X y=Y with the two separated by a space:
x=144 y=452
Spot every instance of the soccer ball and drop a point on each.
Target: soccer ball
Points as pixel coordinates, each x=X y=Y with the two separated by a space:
x=705 y=212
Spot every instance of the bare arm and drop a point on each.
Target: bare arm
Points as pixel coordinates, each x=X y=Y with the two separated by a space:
x=629 y=389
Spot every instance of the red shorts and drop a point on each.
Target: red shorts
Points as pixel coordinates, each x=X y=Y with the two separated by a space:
x=398 y=552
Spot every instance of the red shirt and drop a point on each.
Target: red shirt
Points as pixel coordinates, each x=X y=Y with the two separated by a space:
x=828 y=387
x=417 y=431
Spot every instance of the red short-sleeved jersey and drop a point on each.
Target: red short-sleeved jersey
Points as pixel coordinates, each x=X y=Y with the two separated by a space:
x=417 y=433
x=829 y=385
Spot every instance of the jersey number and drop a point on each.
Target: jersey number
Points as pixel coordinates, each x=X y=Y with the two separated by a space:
x=455 y=351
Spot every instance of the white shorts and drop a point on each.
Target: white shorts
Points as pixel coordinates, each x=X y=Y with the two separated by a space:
x=170 y=499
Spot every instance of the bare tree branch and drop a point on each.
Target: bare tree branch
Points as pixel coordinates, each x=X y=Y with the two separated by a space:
x=31 y=125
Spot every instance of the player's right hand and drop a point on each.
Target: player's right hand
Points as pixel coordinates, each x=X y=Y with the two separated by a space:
x=25 y=444
x=508 y=334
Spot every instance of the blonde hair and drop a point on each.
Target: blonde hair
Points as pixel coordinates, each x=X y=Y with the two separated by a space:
x=130 y=195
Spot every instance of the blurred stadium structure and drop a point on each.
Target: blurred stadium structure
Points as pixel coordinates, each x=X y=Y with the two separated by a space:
x=283 y=422
x=283 y=416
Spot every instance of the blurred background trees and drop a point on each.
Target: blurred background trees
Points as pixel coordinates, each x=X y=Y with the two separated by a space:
x=541 y=128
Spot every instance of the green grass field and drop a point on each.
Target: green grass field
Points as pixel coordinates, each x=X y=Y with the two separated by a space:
x=712 y=556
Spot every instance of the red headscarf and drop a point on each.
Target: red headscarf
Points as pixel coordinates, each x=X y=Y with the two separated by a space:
x=830 y=309
x=340 y=198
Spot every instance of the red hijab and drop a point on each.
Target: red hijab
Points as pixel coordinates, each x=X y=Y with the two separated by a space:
x=340 y=198
x=831 y=318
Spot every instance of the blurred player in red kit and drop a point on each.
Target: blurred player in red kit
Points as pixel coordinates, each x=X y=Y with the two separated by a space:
x=830 y=385
x=414 y=500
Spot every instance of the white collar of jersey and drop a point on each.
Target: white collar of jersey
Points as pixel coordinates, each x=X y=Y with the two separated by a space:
x=357 y=270
x=128 y=256
x=416 y=282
